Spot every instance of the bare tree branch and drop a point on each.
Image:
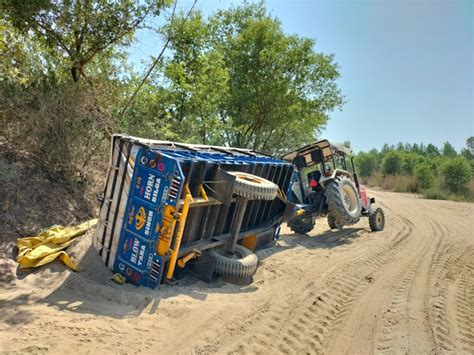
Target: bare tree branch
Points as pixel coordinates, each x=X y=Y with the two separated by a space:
x=91 y=52
x=51 y=32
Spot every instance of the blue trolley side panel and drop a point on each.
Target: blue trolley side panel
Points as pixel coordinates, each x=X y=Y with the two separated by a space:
x=156 y=183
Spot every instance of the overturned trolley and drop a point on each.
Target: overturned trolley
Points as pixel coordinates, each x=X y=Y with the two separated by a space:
x=169 y=205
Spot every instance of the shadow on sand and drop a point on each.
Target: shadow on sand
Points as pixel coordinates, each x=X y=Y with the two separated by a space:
x=327 y=240
x=91 y=291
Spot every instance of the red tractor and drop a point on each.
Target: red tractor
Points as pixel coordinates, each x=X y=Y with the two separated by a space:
x=325 y=184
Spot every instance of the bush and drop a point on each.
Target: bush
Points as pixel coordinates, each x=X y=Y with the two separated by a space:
x=8 y=173
x=62 y=127
x=392 y=163
x=403 y=183
x=457 y=174
x=435 y=194
x=424 y=175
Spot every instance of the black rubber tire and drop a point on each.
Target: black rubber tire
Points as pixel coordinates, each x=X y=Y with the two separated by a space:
x=333 y=223
x=302 y=225
x=336 y=192
x=377 y=220
x=254 y=187
x=242 y=266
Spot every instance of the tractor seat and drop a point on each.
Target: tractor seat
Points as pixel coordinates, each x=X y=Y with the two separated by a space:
x=313 y=180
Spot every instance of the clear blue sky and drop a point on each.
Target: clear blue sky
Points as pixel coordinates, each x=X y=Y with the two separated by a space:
x=407 y=67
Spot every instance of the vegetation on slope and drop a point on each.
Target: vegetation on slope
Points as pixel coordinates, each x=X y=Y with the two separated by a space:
x=233 y=78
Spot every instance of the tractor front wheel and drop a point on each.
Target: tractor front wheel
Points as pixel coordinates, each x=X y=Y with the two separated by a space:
x=302 y=225
x=376 y=220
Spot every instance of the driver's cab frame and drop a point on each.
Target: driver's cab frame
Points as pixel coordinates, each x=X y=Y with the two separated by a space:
x=332 y=160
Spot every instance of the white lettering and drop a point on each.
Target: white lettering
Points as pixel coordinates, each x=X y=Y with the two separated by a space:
x=141 y=256
x=150 y=259
x=155 y=190
x=165 y=194
x=149 y=218
x=149 y=186
x=135 y=246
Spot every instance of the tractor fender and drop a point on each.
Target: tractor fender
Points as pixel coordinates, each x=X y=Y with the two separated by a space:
x=364 y=199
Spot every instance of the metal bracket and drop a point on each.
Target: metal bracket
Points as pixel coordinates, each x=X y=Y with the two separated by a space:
x=222 y=186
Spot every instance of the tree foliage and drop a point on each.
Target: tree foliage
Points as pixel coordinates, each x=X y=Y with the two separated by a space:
x=366 y=163
x=233 y=78
x=280 y=89
x=392 y=163
x=409 y=161
x=456 y=173
x=197 y=81
x=424 y=175
x=421 y=168
x=468 y=151
x=80 y=30
x=237 y=79
x=448 y=150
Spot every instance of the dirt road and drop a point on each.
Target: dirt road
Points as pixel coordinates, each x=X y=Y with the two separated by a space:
x=408 y=289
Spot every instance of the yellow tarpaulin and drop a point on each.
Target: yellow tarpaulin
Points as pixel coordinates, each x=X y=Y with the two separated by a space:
x=49 y=244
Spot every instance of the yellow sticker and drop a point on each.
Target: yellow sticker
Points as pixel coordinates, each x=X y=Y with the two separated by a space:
x=140 y=219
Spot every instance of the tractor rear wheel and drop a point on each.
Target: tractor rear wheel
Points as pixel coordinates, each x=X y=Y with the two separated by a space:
x=333 y=223
x=302 y=225
x=376 y=220
x=343 y=201
x=241 y=265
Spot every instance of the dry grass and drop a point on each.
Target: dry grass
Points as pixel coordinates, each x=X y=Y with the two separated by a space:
x=398 y=183
x=31 y=200
x=62 y=128
x=403 y=183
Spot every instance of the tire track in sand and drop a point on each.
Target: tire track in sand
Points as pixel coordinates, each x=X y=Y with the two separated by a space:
x=405 y=325
x=444 y=265
x=306 y=324
x=359 y=330
x=461 y=301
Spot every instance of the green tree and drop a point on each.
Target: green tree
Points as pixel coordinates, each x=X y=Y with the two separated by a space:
x=386 y=148
x=424 y=175
x=400 y=147
x=470 y=144
x=456 y=173
x=432 y=150
x=422 y=148
x=366 y=163
x=408 y=163
x=150 y=116
x=76 y=32
x=198 y=81
x=415 y=148
x=236 y=78
x=392 y=163
x=280 y=90
x=448 y=150
x=23 y=59
x=468 y=151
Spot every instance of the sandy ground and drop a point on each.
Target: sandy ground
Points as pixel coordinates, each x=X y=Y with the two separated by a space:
x=408 y=289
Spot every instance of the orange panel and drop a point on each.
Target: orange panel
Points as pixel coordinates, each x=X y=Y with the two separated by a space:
x=249 y=241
